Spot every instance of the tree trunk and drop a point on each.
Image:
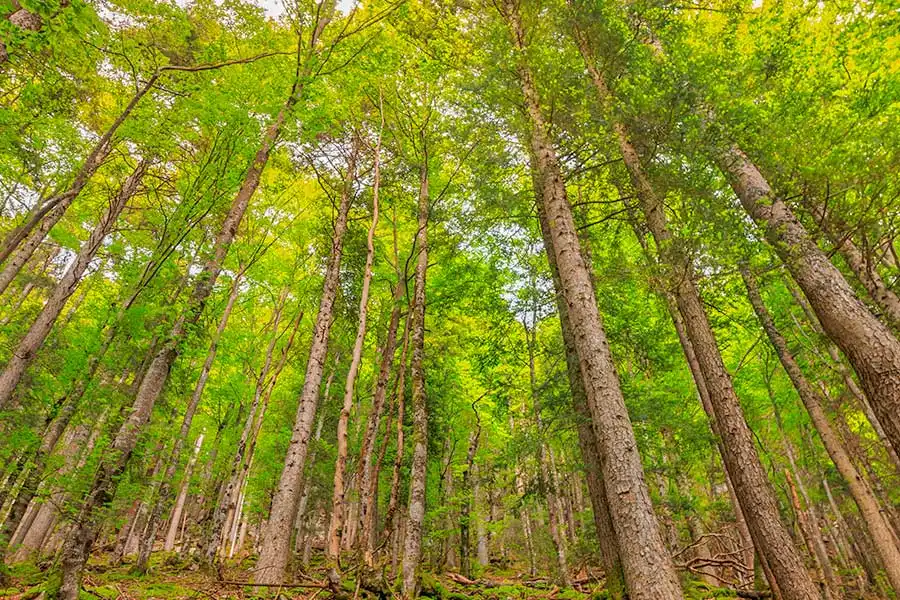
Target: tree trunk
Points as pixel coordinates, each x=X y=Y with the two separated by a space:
x=865 y=500
x=369 y=470
x=587 y=439
x=412 y=552
x=77 y=546
x=176 y=518
x=275 y=550
x=244 y=452
x=873 y=350
x=649 y=571
x=25 y=239
x=369 y=479
x=392 y=515
x=160 y=492
x=336 y=524
x=37 y=334
x=867 y=273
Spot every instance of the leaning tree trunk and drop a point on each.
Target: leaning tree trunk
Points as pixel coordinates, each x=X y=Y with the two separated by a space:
x=227 y=502
x=871 y=347
x=587 y=439
x=412 y=551
x=21 y=242
x=78 y=545
x=181 y=500
x=753 y=490
x=37 y=334
x=865 y=500
x=867 y=273
x=159 y=498
x=649 y=570
x=336 y=524
x=275 y=551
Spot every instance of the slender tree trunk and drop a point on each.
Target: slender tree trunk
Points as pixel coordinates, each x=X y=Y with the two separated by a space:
x=159 y=495
x=412 y=552
x=392 y=518
x=78 y=545
x=338 y=501
x=865 y=500
x=178 y=510
x=22 y=241
x=275 y=550
x=37 y=334
x=873 y=350
x=244 y=452
x=649 y=570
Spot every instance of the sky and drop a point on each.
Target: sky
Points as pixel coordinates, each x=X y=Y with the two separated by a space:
x=275 y=8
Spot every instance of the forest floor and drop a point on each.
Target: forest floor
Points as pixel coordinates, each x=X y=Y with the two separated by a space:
x=170 y=579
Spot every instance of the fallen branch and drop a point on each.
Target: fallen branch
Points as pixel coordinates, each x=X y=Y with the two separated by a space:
x=274 y=585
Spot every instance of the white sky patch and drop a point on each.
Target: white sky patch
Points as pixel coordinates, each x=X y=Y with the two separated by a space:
x=275 y=8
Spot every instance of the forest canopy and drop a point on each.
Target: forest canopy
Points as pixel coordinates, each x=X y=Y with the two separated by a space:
x=557 y=299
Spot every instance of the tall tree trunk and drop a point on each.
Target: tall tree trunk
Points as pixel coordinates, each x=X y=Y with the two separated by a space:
x=275 y=550
x=587 y=439
x=161 y=491
x=412 y=551
x=24 y=239
x=846 y=375
x=181 y=500
x=865 y=500
x=739 y=454
x=78 y=545
x=37 y=334
x=649 y=570
x=227 y=503
x=369 y=469
x=338 y=502
x=871 y=347
x=392 y=515
x=867 y=273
